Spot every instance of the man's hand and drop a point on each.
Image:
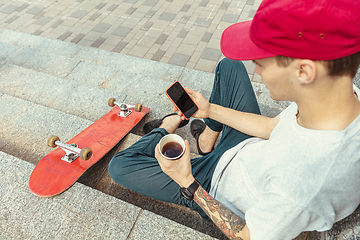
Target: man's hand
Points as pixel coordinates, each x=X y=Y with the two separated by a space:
x=202 y=103
x=179 y=170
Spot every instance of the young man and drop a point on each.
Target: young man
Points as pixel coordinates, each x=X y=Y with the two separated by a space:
x=268 y=178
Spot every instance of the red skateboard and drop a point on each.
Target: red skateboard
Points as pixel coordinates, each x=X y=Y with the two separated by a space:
x=61 y=168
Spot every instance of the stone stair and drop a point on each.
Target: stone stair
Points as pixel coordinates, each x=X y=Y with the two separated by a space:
x=52 y=87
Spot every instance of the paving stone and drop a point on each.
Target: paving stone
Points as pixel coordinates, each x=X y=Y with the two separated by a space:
x=37 y=32
x=10 y=20
x=118 y=48
x=78 y=38
x=203 y=3
x=98 y=42
x=147 y=26
x=112 y=7
x=102 y=27
x=150 y=3
x=22 y=7
x=232 y=18
x=225 y=5
x=131 y=10
x=185 y=8
x=9 y=9
x=206 y=37
x=252 y=13
x=183 y=33
x=100 y=6
x=35 y=10
x=166 y=16
x=79 y=14
x=203 y=22
x=211 y=54
x=95 y=16
x=161 y=39
x=42 y=21
x=185 y=19
x=179 y=59
x=122 y=31
x=57 y=23
x=158 y=55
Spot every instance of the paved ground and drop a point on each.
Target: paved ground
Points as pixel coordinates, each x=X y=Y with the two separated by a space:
x=179 y=32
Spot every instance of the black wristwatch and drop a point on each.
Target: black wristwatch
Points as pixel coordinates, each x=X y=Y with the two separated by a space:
x=188 y=193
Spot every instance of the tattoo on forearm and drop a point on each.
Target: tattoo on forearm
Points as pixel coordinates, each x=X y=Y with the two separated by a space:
x=228 y=222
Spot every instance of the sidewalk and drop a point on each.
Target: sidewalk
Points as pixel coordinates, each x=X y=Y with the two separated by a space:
x=185 y=33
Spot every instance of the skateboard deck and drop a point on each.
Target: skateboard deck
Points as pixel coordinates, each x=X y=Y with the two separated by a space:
x=52 y=176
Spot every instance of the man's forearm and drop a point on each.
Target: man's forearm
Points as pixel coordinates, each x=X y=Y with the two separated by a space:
x=233 y=226
x=252 y=124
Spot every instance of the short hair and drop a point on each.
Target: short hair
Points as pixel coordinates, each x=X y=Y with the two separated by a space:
x=338 y=67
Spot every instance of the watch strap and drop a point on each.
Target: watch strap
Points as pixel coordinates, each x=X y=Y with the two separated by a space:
x=188 y=193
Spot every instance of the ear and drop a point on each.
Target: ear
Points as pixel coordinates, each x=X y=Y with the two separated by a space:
x=306 y=71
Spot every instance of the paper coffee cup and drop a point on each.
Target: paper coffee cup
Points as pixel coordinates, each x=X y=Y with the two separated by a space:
x=172 y=146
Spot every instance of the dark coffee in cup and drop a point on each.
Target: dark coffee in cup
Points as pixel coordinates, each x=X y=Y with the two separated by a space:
x=172 y=146
x=172 y=149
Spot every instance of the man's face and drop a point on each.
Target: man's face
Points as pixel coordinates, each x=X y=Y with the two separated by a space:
x=278 y=80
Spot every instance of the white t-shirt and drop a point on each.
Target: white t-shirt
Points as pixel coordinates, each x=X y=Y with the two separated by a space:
x=298 y=180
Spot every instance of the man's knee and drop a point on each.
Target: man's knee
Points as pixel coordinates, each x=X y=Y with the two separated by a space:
x=230 y=66
x=117 y=168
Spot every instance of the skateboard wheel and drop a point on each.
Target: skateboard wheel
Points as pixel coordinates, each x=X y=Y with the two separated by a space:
x=51 y=141
x=111 y=102
x=85 y=153
x=138 y=107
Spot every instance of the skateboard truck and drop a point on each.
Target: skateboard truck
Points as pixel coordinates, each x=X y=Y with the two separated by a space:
x=124 y=108
x=71 y=150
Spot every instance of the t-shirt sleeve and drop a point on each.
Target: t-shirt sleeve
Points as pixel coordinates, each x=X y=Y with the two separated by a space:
x=275 y=217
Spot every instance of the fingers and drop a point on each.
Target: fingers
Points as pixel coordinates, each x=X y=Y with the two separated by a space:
x=187 y=148
x=189 y=91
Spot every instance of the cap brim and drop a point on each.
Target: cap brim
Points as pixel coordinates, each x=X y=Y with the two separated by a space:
x=236 y=43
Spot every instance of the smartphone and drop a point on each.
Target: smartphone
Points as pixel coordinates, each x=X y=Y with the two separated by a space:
x=181 y=99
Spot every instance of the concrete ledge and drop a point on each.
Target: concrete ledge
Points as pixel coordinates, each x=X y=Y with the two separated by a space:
x=79 y=213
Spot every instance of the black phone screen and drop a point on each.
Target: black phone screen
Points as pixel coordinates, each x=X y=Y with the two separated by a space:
x=181 y=99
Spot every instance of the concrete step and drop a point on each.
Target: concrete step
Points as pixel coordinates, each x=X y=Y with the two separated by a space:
x=25 y=126
x=79 y=213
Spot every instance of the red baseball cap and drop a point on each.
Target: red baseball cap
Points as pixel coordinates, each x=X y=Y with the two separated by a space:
x=306 y=29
